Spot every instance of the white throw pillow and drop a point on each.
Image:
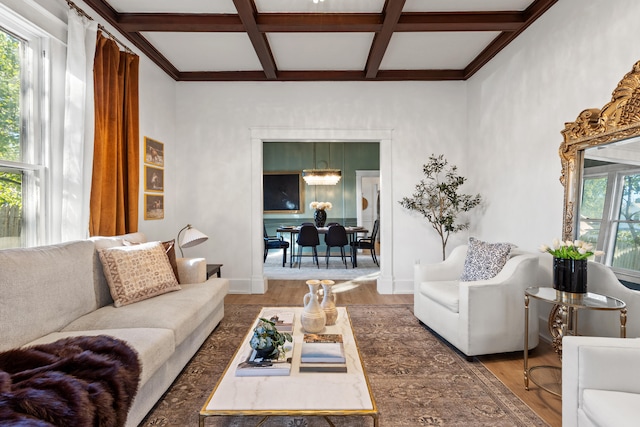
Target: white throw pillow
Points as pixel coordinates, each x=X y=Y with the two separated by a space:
x=135 y=273
x=484 y=260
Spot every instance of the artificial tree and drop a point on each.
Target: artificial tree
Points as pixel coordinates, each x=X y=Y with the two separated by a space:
x=438 y=199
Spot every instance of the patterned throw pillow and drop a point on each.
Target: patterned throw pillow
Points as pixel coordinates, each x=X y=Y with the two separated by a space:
x=169 y=248
x=484 y=260
x=135 y=273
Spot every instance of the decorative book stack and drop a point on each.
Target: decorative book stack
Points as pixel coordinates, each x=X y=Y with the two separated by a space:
x=283 y=320
x=322 y=353
x=257 y=367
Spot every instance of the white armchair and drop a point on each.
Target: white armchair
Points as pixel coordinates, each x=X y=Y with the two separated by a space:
x=479 y=317
x=600 y=381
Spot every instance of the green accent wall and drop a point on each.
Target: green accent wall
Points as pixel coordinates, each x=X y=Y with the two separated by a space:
x=346 y=156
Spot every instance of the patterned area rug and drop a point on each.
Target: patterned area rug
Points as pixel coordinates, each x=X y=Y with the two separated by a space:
x=417 y=380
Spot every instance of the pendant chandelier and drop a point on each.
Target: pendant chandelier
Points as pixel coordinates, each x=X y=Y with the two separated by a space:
x=326 y=176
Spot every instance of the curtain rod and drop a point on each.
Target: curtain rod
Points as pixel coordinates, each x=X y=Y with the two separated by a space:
x=81 y=12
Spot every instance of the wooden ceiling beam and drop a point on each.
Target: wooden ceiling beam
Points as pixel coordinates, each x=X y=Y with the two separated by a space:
x=140 y=42
x=460 y=21
x=217 y=23
x=533 y=12
x=256 y=25
x=321 y=22
x=392 y=11
x=247 y=12
x=338 y=75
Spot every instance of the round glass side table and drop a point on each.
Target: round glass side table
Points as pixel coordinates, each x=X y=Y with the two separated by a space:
x=562 y=322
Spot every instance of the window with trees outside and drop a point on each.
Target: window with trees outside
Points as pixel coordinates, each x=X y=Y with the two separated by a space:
x=21 y=177
x=610 y=215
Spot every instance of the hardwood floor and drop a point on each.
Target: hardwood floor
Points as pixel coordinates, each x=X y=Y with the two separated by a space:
x=507 y=367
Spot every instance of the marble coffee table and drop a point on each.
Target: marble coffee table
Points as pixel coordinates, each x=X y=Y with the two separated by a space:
x=298 y=394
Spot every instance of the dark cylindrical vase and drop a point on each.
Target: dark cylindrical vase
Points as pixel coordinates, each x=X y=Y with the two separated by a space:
x=320 y=217
x=265 y=353
x=570 y=275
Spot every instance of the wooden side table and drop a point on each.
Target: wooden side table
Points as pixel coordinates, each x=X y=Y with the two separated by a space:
x=213 y=269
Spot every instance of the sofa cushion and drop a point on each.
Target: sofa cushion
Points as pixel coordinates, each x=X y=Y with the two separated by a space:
x=154 y=345
x=135 y=273
x=611 y=408
x=180 y=311
x=445 y=293
x=103 y=294
x=484 y=260
x=43 y=289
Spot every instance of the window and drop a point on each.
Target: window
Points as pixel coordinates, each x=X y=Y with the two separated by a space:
x=610 y=215
x=21 y=129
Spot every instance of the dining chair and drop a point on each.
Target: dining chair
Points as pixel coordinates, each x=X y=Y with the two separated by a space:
x=308 y=237
x=274 y=242
x=336 y=236
x=366 y=243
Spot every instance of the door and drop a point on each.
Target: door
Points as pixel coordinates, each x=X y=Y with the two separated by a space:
x=368 y=187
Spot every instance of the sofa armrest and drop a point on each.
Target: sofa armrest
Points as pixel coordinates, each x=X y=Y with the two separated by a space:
x=498 y=303
x=192 y=270
x=449 y=269
x=596 y=363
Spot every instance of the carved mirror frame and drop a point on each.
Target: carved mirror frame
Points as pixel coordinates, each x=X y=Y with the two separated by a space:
x=616 y=121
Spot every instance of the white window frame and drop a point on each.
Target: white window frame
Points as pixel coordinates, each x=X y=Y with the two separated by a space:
x=35 y=89
x=609 y=222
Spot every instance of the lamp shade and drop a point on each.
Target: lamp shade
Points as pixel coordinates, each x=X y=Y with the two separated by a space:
x=192 y=237
x=321 y=176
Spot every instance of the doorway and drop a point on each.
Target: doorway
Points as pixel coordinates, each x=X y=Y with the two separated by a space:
x=259 y=283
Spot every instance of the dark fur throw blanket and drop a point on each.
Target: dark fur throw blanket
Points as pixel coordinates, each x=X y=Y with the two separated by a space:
x=73 y=382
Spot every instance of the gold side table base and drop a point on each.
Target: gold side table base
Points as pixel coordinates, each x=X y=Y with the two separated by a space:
x=548 y=378
x=562 y=322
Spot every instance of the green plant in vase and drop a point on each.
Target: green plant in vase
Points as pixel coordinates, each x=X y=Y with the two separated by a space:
x=267 y=340
x=576 y=249
x=570 y=264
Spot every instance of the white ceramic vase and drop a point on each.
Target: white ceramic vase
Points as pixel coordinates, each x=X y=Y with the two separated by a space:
x=328 y=303
x=313 y=317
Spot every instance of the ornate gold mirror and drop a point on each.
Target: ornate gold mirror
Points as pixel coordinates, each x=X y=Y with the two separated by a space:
x=615 y=123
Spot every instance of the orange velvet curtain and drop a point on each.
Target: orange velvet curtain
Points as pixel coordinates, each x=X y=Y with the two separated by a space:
x=116 y=166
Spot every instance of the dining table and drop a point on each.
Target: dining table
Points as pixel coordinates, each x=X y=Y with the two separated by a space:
x=352 y=233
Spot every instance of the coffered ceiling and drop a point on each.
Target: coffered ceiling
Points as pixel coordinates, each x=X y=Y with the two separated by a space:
x=299 y=40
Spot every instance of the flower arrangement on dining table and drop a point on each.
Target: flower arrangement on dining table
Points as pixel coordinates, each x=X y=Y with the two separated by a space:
x=320 y=206
x=576 y=249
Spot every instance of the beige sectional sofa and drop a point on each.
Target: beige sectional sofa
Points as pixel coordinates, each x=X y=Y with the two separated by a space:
x=58 y=291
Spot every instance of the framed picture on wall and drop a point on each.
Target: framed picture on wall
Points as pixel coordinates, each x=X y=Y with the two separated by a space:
x=283 y=192
x=153 y=152
x=153 y=179
x=153 y=206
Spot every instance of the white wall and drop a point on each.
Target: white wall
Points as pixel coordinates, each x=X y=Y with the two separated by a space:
x=214 y=188
x=158 y=122
x=569 y=60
